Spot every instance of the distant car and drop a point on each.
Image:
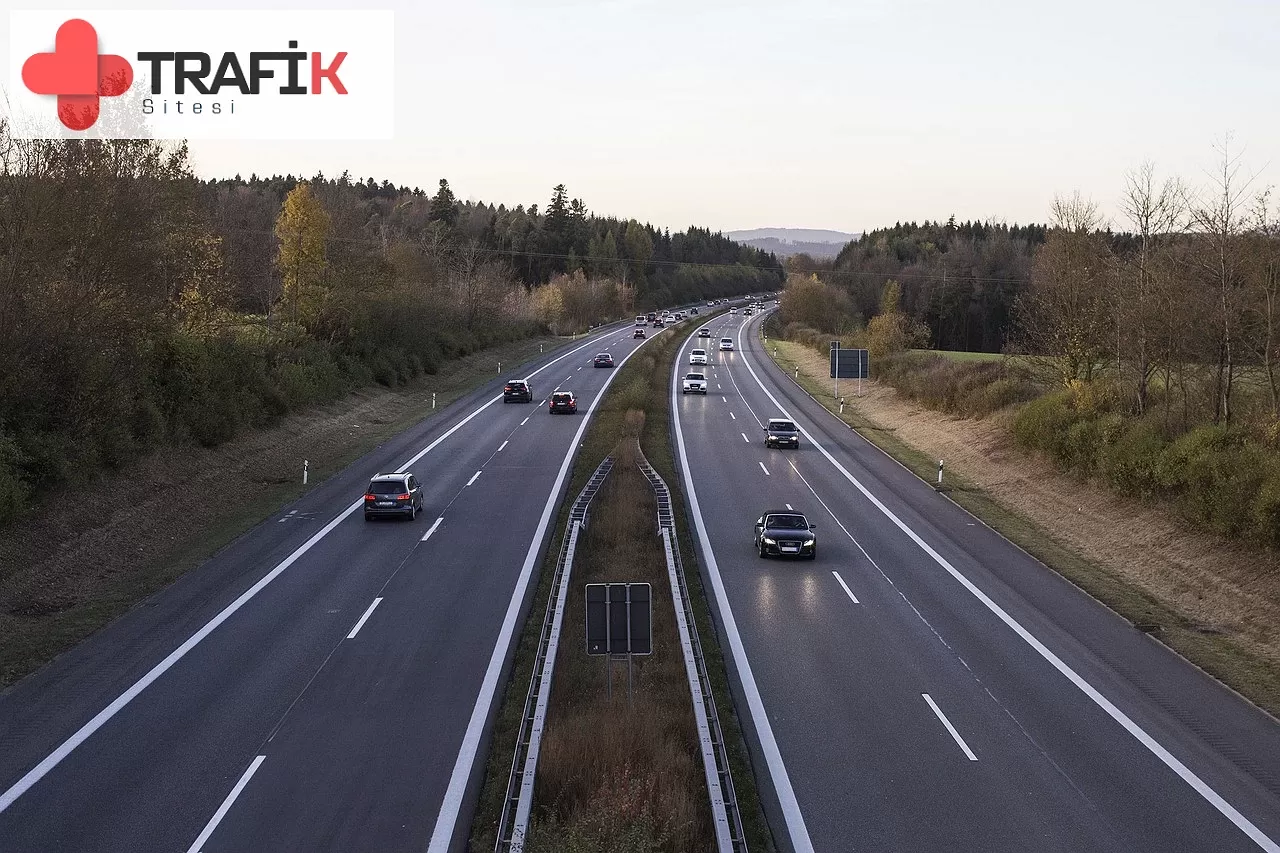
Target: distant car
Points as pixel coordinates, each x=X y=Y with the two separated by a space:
x=704 y=333
x=640 y=320
x=733 y=310
x=781 y=433
x=698 y=356
x=693 y=310
x=726 y=343
x=694 y=383
x=638 y=333
x=658 y=324
x=517 y=391
x=711 y=304
x=746 y=312
x=602 y=360
x=785 y=534
x=563 y=402
x=398 y=494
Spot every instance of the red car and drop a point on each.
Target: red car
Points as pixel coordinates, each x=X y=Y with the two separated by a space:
x=563 y=402
x=603 y=360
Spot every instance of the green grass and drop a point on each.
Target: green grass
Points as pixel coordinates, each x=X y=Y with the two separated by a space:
x=1220 y=655
x=31 y=636
x=642 y=384
x=958 y=355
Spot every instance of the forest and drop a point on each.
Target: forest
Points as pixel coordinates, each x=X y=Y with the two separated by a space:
x=142 y=306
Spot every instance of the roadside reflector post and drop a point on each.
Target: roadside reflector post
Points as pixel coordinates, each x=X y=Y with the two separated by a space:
x=433 y=399
x=499 y=368
x=305 y=465
x=842 y=405
x=939 y=472
x=797 y=371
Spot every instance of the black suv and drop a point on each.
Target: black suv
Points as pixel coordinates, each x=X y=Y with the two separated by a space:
x=785 y=534
x=517 y=390
x=398 y=494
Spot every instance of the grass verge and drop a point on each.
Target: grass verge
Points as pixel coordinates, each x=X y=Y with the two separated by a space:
x=641 y=386
x=139 y=530
x=1250 y=674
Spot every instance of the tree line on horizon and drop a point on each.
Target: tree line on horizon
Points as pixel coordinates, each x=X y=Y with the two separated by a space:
x=141 y=306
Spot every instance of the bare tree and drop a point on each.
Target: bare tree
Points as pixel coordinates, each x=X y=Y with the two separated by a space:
x=1155 y=213
x=1219 y=217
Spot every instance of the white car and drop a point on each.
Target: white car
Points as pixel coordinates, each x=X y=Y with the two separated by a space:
x=694 y=383
x=698 y=356
x=726 y=344
x=733 y=310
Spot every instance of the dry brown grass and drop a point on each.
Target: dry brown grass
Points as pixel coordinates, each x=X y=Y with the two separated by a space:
x=613 y=777
x=1219 y=589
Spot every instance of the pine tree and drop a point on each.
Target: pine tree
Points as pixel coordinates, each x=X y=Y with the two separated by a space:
x=444 y=206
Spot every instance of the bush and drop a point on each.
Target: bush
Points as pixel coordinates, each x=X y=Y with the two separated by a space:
x=1266 y=508
x=1132 y=462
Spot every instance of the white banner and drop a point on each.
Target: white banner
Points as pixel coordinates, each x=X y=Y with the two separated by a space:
x=202 y=75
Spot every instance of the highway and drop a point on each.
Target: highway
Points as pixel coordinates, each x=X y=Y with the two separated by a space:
x=322 y=683
x=924 y=685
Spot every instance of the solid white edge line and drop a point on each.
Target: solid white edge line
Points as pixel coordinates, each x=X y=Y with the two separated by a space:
x=226 y=805
x=432 y=529
x=503 y=446
x=360 y=624
x=795 y=825
x=82 y=734
x=764 y=469
x=1171 y=761
x=950 y=728
x=451 y=805
x=474 y=477
x=844 y=585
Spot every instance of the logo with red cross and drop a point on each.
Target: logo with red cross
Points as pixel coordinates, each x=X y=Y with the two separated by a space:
x=77 y=74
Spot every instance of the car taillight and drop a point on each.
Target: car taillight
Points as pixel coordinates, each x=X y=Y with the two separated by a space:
x=403 y=497
x=370 y=497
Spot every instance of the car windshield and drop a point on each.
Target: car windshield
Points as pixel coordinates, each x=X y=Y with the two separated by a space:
x=786 y=522
x=386 y=487
x=561 y=398
x=694 y=376
x=515 y=385
x=782 y=426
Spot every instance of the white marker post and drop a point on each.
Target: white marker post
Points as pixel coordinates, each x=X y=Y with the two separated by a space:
x=433 y=399
x=939 y=472
x=305 y=465
x=797 y=371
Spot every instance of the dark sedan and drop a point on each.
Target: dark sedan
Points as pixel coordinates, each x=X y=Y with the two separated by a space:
x=785 y=534
x=603 y=360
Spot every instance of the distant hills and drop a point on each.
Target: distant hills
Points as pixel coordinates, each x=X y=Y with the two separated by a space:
x=782 y=242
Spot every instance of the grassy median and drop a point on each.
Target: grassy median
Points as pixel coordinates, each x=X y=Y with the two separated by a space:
x=644 y=791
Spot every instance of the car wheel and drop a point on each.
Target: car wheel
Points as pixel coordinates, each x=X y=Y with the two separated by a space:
x=813 y=555
x=368 y=517
x=763 y=553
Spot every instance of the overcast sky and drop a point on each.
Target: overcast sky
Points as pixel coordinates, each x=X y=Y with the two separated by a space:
x=845 y=115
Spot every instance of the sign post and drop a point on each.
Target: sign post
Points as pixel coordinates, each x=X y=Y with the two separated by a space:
x=619 y=624
x=835 y=374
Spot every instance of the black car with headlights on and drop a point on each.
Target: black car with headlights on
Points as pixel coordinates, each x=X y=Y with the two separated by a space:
x=398 y=494
x=785 y=534
x=781 y=433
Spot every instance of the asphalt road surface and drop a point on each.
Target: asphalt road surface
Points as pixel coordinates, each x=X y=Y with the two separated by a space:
x=323 y=683
x=924 y=685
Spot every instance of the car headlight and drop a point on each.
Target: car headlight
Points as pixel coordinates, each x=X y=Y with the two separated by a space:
x=769 y=541
x=808 y=543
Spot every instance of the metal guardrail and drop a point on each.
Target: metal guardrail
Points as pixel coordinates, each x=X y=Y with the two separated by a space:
x=726 y=817
x=514 y=823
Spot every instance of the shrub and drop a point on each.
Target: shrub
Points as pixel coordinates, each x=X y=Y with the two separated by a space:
x=1131 y=463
